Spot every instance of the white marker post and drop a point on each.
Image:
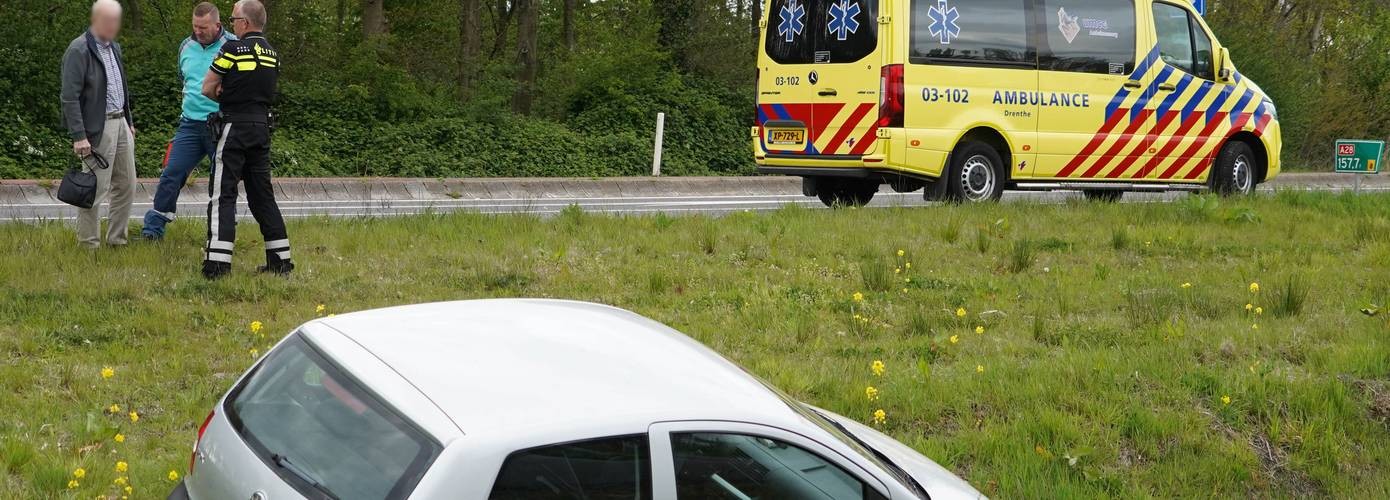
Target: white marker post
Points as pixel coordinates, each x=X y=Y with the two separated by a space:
x=660 y=133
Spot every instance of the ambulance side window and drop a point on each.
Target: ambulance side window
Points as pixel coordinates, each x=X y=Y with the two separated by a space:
x=1178 y=43
x=1090 y=37
x=975 y=32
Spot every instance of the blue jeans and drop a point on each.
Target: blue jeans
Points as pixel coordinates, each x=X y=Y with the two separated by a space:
x=192 y=143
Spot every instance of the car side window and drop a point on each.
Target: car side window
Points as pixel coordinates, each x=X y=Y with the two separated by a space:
x=1201 y=44
x=986 y=32
x=1087 y=37
x=600 y=469
x=1176 y=44
x=735 y=466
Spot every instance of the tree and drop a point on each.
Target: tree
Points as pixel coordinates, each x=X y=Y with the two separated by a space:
x=470 y=43
x=527 y=58
x=373 y=18
x=571 y=40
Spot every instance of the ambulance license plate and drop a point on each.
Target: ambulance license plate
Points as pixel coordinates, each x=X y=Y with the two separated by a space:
x=786 y=137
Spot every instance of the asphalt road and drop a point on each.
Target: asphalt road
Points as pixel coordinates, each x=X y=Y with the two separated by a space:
x=548 y=197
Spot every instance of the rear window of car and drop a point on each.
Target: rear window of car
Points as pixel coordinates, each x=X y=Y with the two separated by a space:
x=821 y=31
x=323 y=432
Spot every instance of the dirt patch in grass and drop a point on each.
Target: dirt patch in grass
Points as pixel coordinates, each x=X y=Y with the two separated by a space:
x=1378 y=392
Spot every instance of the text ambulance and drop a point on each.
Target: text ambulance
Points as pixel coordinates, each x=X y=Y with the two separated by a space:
x=970 y=97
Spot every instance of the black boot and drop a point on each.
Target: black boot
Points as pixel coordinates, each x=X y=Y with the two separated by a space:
x=215 y=270
x=279 y=267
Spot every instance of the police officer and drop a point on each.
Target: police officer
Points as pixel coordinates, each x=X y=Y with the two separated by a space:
x=242 y=79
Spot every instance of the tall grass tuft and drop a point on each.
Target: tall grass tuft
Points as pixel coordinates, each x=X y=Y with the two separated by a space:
x=982 y=241
x=949 y=231
x=1120 y=239
x=1022 y=255
x=875 y=272
x=1289 y=297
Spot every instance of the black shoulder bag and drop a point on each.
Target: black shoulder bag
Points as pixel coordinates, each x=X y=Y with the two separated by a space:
x=79 y=186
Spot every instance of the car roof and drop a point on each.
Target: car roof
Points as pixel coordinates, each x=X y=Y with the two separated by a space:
x=512 y=365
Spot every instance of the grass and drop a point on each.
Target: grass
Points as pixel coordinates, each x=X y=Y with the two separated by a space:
x=1098 y=373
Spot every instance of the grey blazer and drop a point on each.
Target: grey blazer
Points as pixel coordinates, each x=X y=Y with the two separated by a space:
x=84 y=89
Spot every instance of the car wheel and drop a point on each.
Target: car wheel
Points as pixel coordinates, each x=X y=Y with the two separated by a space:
x=976 y=174
x=1234 y=173
x=1103 y=195
x=847 y=193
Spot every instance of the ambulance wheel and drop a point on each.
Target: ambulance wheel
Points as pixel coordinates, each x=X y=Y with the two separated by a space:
x=976 y=174
x=1234 y=173
x=1103 y=195
x=847 y=192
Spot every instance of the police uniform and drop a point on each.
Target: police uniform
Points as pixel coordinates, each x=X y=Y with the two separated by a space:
x=250 y=68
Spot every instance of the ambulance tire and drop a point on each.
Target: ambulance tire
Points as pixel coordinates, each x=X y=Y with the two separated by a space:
x=847 y=192
x=976 y=174
x=1103 y=195
x=1234 y=172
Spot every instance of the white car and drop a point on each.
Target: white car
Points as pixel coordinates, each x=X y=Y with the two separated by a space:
x=530 y=399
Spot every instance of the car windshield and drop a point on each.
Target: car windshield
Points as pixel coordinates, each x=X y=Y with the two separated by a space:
x=324 y=433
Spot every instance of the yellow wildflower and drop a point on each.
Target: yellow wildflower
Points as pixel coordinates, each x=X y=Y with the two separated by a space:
x=980 y=330
x=877 y=367
x=1186 y=286
x=1259 y=311
x=255 y=353
x=320 y=309
x=1226 y=400
x=173 y=475
x=908 y=265
x=901 y=253
x=119 y=481
x=114 y=409
x=1249 y=307
x=121 y=466
x=1254 y=288
x=904 y=290
x=256 y=326
x=79 y=473
x=120 y=438
x=107 y=372
x=960 y=312
x=1255 y=326
x=134 y=416
x=898 y=270
x=858 y=297
x=880 y=416
x=871 y=392
x=1042 y=452
x=955 y=339
x=979 y=368
x=73 y=484
x=129 y=490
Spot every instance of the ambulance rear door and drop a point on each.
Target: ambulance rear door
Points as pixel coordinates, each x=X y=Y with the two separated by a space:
x=819 y=79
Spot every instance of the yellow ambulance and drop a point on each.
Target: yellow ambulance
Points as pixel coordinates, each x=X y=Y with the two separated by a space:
x=968 y=98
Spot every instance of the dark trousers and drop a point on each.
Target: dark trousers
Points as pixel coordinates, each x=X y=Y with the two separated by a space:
x=243 y=155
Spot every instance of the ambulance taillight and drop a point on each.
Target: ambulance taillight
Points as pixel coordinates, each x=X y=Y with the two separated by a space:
x=891 y=98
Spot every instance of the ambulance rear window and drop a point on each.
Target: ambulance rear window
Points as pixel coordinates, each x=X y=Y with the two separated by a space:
x=821 y=31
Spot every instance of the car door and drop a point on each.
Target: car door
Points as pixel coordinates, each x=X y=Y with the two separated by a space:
x=1196 y=120
x=702 y=460
x=818 y=82
x=1097 y=87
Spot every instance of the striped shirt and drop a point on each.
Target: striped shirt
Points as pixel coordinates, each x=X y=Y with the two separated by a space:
x=115 y=84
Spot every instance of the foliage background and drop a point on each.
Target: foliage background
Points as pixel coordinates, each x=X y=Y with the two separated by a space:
x=391 y=104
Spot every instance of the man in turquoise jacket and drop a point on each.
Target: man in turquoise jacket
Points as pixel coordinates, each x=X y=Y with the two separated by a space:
x=193 y=141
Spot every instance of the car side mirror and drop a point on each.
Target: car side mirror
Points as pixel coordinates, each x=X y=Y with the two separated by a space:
x=1224 y=73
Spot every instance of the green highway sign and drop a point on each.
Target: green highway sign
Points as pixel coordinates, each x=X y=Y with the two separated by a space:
x=1359 y=157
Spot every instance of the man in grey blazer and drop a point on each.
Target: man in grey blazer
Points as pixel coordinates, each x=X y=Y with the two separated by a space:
x=96 y=113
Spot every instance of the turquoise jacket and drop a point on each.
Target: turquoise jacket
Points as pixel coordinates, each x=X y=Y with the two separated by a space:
x=194 y=61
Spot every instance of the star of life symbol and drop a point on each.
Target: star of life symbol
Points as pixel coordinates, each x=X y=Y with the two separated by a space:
x=793 y=16
x=842 y=19
x=943 y=22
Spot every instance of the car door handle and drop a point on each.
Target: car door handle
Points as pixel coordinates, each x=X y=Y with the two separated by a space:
x=1167 y=87
x=829 y=93
x=1134 y=84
